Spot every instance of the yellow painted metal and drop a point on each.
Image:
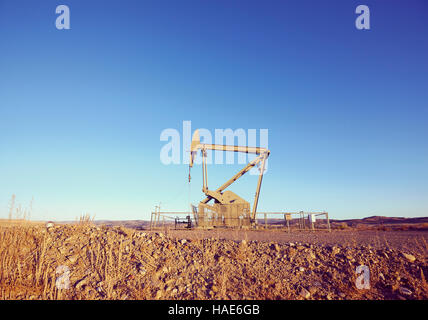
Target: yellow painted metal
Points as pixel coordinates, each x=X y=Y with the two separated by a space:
x=227 y=204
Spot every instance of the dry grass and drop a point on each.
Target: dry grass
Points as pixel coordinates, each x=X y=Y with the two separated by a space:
x=341 y=226
x=28 y=260
x=85 y=219
x=21 y=263
x=396 y=227
x=17 y=211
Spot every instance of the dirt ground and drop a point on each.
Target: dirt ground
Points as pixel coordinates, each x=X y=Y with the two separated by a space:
x=402 y=240
x=92 y=262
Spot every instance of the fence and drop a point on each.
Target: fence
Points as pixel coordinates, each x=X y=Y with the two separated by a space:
x=291 y=221
x=296 y=220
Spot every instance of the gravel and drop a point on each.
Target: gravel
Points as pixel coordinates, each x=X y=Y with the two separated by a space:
x=121 y=263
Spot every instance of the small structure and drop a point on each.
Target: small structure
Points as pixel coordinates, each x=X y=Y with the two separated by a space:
x=307 y=221
x=187 y=221
x=222 y=215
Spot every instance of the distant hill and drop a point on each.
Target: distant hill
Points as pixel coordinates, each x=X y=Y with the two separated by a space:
x=384 y=220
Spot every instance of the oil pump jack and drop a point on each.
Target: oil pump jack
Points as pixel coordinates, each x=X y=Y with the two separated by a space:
x=229 y=209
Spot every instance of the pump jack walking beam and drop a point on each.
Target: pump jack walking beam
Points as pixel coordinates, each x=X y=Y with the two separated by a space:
x=262 y=153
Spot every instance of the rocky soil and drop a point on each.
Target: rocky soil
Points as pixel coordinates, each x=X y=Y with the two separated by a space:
x=401 y=240
x=96 y=262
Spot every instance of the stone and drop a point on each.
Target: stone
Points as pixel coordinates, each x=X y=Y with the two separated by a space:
x=312 y=289
x=409 y=257
x=335 y=250
x=304 y=293
x=99 y=287
x=49 y=225
x=404 y=291
x=72 y=258
x=311 y=255
x=63 y=250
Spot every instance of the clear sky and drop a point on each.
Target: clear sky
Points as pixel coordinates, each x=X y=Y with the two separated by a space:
x=82 y=110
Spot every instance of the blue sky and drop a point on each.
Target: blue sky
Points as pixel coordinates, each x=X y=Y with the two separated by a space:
x=82 y=110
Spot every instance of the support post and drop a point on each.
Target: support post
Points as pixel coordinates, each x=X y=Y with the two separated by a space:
x=328 y=222
x=302 y=220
